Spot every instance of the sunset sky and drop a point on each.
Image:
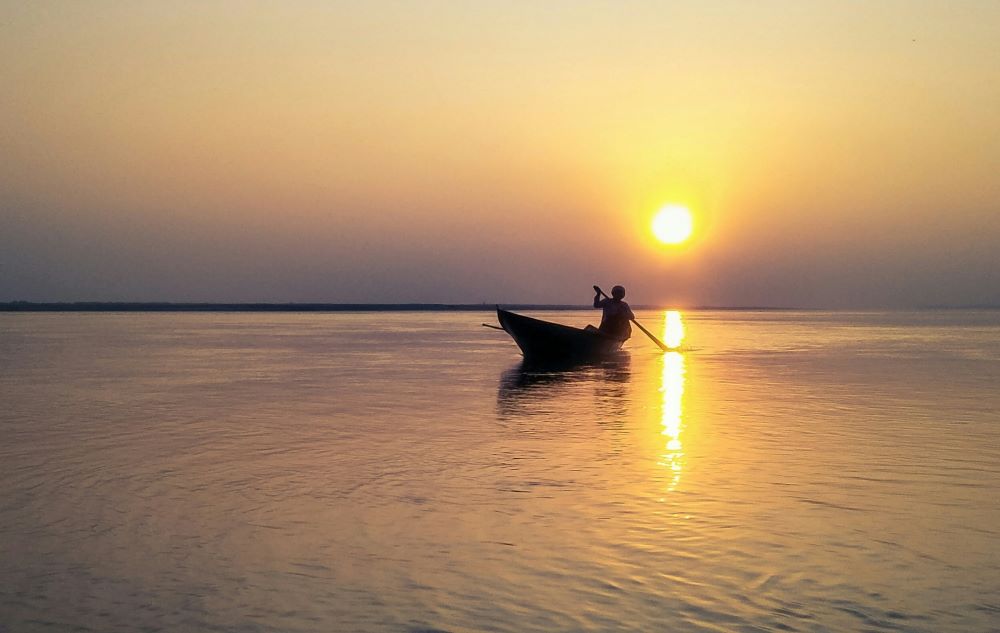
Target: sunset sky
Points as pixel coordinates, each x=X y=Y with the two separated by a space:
x=833 y=154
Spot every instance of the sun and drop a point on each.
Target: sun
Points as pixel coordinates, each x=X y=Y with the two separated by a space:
x=672 y=224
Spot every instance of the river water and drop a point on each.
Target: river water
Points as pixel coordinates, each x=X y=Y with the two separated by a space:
x=798 y=471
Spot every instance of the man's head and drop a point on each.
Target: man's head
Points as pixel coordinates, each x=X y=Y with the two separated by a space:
x=618 y=292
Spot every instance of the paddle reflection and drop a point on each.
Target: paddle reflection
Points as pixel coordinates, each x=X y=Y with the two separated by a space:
x=672 y=392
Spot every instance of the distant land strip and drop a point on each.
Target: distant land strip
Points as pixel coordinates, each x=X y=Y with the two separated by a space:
x=101 y=306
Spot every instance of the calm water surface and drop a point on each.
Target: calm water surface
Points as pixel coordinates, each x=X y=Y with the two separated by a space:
x=403 y=472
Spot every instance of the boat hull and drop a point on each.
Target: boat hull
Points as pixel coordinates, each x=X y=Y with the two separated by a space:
x=551 y=342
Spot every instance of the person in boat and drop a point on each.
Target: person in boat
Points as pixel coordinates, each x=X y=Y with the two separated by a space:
x=617 y=316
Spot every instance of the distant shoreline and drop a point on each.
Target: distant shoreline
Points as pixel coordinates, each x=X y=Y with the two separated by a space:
x=114 y=306
x=99 y=306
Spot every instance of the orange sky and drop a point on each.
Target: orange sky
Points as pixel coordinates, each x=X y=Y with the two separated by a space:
x=834 y=154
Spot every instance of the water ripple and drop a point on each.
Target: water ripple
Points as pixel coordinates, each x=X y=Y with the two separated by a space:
x=395 y=472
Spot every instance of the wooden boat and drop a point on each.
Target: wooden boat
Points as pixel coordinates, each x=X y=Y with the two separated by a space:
x=544 y=341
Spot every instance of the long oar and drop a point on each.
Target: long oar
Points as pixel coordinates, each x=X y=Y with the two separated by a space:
x=639 y=325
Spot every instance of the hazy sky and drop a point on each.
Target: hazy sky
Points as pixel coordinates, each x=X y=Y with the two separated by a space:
x=834 y=154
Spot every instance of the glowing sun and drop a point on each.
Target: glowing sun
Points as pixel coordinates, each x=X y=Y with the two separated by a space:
x=672 y=224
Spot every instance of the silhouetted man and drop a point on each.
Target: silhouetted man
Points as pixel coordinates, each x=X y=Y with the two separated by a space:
x=617 y=314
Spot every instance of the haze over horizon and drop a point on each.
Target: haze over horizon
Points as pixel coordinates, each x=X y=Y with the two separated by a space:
x=840 y=155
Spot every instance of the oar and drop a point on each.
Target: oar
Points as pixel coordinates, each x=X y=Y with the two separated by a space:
x=639 y=325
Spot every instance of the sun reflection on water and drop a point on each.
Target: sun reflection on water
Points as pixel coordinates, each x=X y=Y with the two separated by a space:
x=672 y=390
x=673 y=329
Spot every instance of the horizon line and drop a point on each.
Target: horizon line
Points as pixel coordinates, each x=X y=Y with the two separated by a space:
x=293 y=306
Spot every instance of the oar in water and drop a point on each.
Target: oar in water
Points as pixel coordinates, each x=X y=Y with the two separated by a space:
x=639 y=325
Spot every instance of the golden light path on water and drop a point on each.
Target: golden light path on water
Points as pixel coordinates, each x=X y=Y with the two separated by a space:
x=672 y=390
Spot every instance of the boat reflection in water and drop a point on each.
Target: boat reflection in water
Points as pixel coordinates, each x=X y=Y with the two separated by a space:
x=527 y=384
x=672 y=392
